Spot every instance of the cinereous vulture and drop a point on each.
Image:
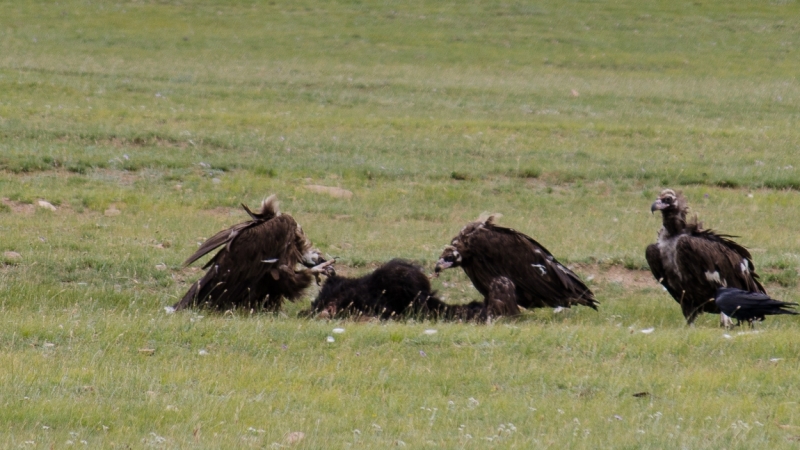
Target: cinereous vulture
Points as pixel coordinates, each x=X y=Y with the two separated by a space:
x=257 y=266
x=692 y=262
x=504 y=264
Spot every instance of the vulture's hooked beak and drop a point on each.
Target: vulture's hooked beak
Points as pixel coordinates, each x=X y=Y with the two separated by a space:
x=657 y=205
x=442 y=265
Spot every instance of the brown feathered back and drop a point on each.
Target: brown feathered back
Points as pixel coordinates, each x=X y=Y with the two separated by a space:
x=487 y=252
x=256 y=266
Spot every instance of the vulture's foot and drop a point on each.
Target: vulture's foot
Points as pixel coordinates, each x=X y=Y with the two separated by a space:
x=325 y=268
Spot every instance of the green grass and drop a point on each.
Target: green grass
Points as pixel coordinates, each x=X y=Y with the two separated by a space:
x=566 y=117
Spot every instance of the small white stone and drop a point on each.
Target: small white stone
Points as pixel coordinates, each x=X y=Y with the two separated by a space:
x=161 y=266
x=46 y=205
x=202 y=352
x=648 y=330
x=169 y=310
x=338 y=330
x=330 y=339
x=430 y=332
x=292 y=438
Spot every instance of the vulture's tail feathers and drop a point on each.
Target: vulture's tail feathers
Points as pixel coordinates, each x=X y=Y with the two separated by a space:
x=189 y=298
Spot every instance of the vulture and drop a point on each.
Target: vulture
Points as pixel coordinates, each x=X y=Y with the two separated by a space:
x=692 y=262
x=395 y=290
x=256 y=264
x=749 y=306
x=507 y=267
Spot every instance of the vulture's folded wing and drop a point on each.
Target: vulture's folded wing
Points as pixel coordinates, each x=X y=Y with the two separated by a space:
x=714 y=260
x=533 y=269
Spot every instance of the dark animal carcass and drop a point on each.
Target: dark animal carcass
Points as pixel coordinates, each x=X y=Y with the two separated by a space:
x=397 y=289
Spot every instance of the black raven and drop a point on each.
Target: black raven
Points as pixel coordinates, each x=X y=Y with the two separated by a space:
x=749 y=306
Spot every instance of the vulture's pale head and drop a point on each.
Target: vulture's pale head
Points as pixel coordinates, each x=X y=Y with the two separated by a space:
x=450 y=258
x=667 y=201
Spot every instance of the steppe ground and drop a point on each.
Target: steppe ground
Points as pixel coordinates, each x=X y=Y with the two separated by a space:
x=144 y=124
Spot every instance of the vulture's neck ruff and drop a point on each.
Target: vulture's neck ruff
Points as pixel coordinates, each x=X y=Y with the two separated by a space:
x=673 y=209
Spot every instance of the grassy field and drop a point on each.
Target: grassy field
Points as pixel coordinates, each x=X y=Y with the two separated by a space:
x=146 y=123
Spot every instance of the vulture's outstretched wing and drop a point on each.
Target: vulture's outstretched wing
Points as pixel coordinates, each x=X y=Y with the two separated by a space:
x=269 y=210
x=222 y=238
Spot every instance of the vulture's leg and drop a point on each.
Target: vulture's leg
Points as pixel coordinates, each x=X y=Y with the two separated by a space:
x=502 y=298
x=725 y=321
x=322 y=268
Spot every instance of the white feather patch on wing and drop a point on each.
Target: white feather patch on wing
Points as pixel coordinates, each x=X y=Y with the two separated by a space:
x=541 y=268
x=714 y=277
x=745 y=267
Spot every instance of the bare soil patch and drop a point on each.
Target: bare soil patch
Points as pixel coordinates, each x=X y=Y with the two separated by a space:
x=603 y=273
x=19 y=207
